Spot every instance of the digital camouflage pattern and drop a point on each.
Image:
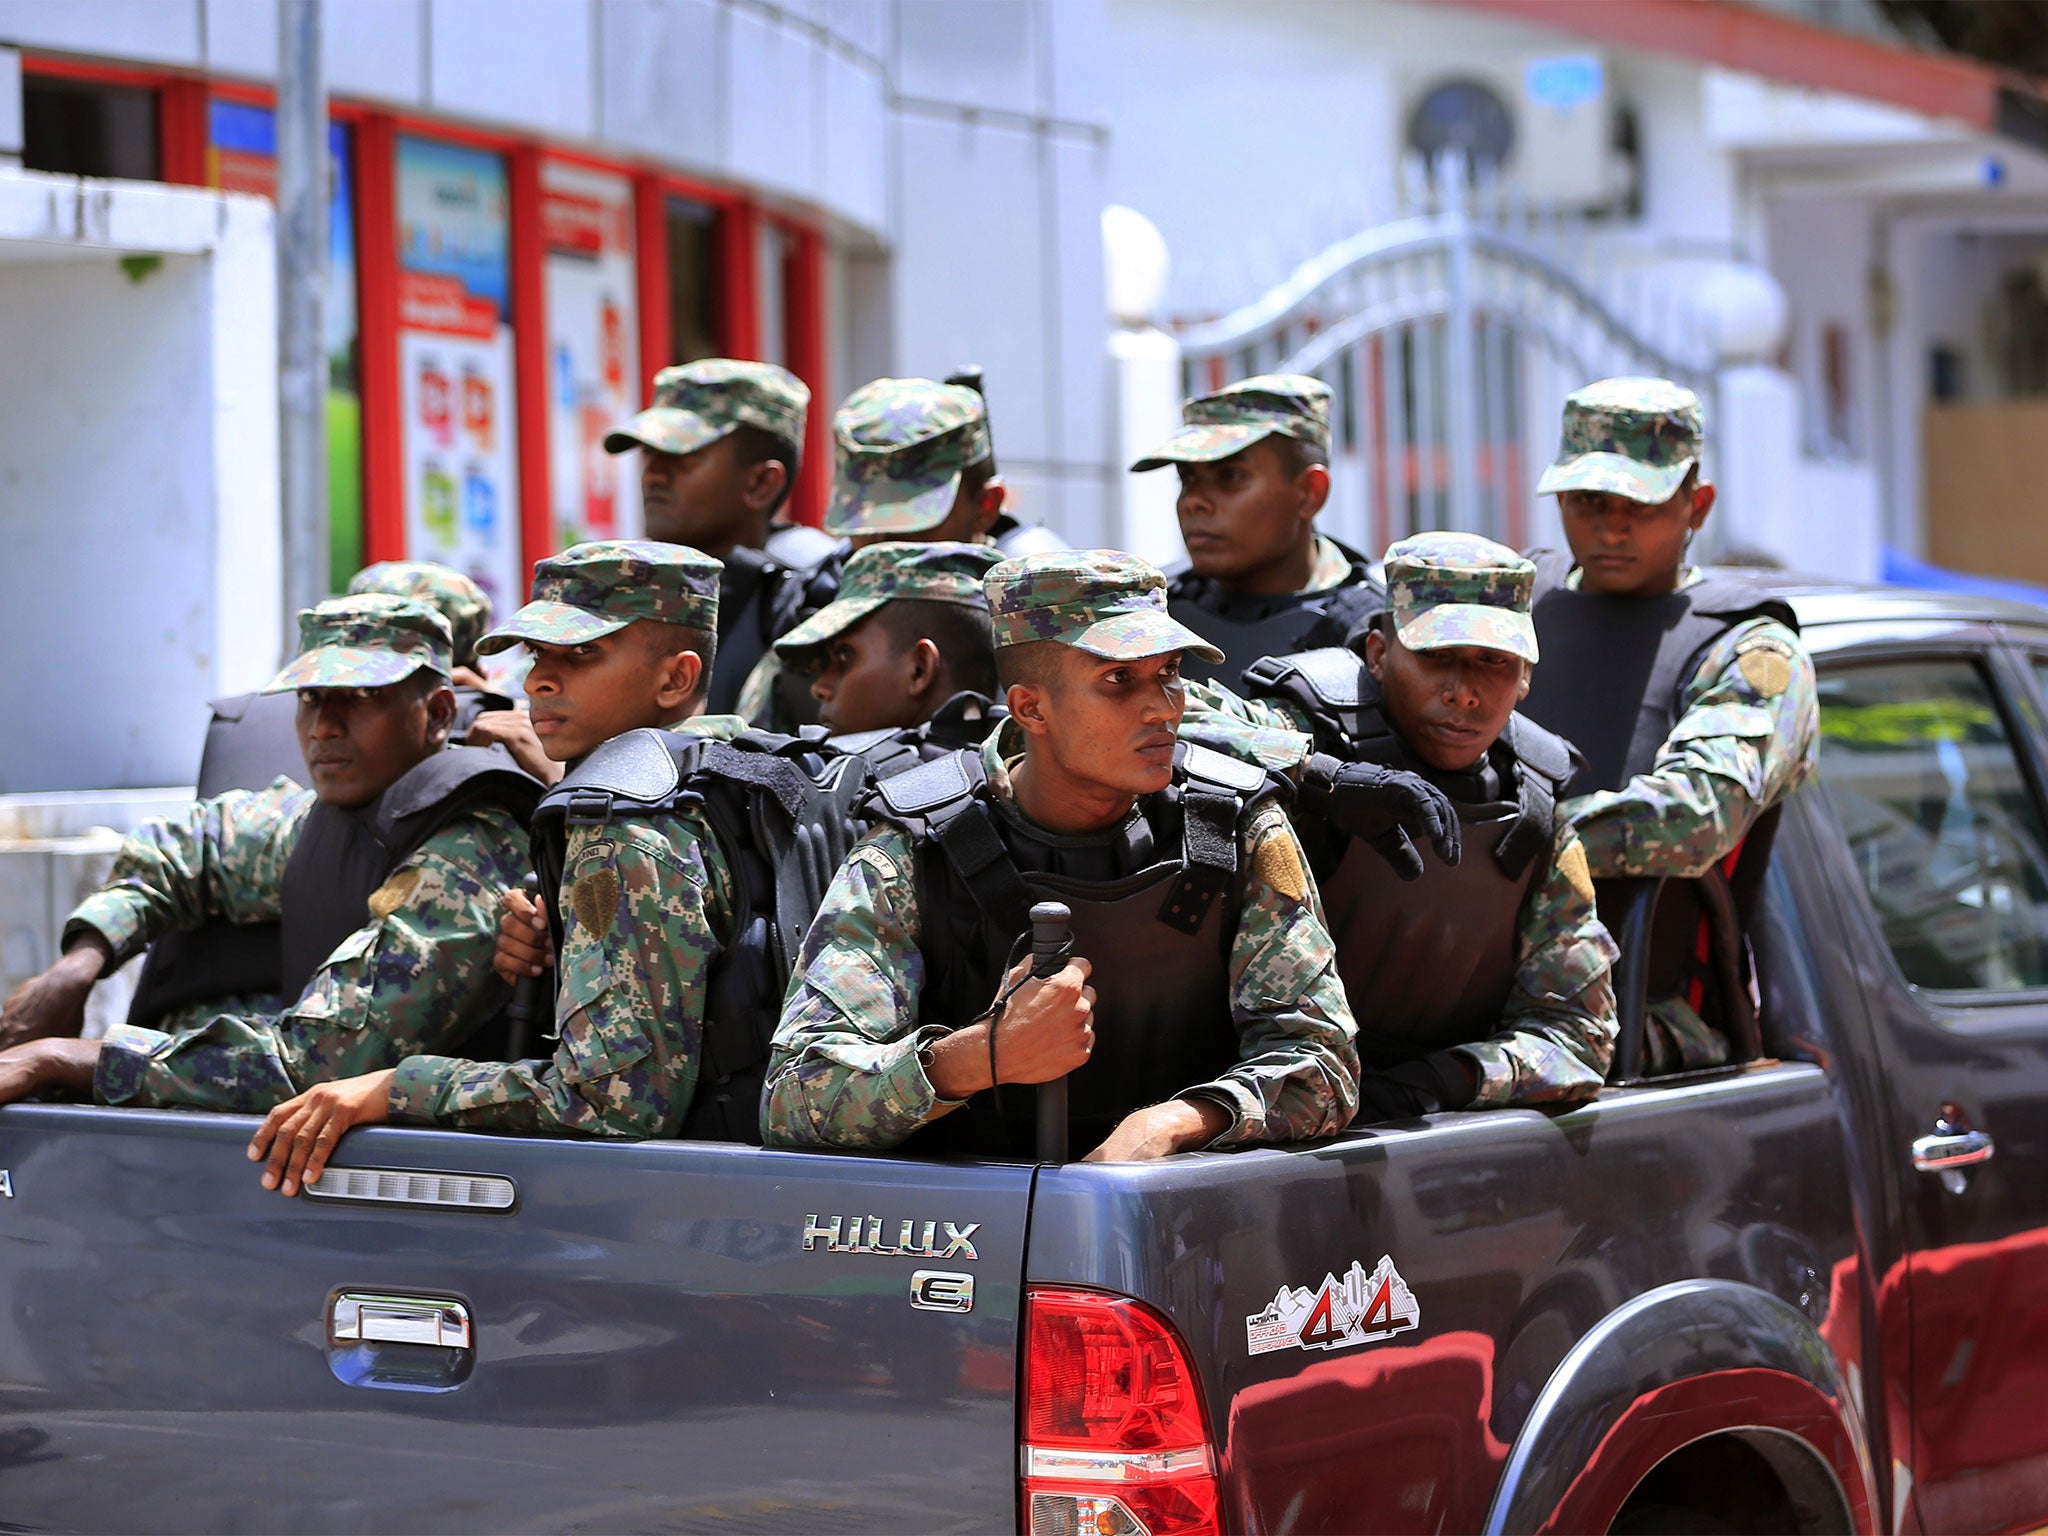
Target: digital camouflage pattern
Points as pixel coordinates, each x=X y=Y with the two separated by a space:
x=698 y=403
x=597 y=589
x=1233 y=418
x=365 y=642
x=1449 y=589
x=416 y=976
x=844 y=1070
x=646 y=906
x=1098 y=600
x=464 y=604
x=885 y=573
x=1634 y=437
x=901 y=446
x=1556 y=1038
x=1747 y=735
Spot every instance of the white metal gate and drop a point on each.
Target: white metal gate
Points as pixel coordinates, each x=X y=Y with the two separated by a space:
x=1449 y=339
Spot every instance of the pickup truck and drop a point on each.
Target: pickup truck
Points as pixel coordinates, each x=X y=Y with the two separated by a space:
x=1798 y=1293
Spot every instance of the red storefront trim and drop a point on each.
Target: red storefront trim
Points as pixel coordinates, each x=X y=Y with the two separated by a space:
x=650 y=240
x=739 y=254
x=376 y=157
x=181 y=131
x=530 y=355
x=803 y=286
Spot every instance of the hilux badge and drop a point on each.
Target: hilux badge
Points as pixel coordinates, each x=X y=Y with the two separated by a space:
x=1338 y=1314
x=870 y=1234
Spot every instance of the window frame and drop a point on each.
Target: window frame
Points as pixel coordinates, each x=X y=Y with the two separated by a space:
x=1983 y=648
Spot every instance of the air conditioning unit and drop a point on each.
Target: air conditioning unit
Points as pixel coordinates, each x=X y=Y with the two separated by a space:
x=1548 y=125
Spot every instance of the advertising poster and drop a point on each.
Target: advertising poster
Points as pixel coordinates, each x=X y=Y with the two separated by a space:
x=241 y=156
x=455 y=365
x=593 y=351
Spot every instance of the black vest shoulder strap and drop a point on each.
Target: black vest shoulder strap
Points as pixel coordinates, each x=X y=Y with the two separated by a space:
x=1331 y=686
x=801 y=547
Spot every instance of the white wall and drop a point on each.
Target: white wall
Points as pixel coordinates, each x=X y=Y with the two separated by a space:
x=138 y=474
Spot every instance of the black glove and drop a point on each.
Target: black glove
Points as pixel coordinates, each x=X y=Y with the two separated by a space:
x=1385 y=807
x=1438 y=1081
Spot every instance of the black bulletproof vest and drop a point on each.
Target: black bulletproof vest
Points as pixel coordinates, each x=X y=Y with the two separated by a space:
x=1154 y=904
x=1600 y=655
x=760 y=599
x=783 y=811
x=1247 y=626
x=342 y=855
x=252 y=739
x=962 y=721
x=1427 y=964
x=1614 y=668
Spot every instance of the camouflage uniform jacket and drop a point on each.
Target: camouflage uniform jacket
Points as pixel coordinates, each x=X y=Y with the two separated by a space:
x=1557 y=1032
x=646 y=907
x=844 y=1070
x=759 y=700
x=1747 y=735
x=416 y=976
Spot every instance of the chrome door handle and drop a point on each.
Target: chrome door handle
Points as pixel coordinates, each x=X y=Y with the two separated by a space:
x=1951 y=1149
x=375 y=1317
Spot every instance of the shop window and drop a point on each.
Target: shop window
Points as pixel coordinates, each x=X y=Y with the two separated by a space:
x=694 y=282
x=87 y=128
x=593 y=357
x=772 y=256
x=241 y=156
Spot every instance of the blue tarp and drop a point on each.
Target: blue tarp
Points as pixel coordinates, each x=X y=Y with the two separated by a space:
x=1902 y=570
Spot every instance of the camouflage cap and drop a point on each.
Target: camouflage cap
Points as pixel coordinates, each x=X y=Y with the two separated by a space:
x=1634 y=437
x=464 y=604
x=1102 y=601
x=698 y=403
x=901 y=446
x=593 y=590
x=883 y=573
x=1450 y=589
x=369 y=641
x=1235 y=417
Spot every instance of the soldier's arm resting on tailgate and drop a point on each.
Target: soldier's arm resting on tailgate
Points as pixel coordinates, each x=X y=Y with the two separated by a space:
x=849 y=1064
x=1747 y=737
x=1297 y=1073
x=223 y=858
x=629 y=1008
x=417 y=976
x=1557 y=1035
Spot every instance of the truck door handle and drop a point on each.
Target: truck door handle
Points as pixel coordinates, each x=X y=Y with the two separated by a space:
x=1950 y=1148
x=376 y=1317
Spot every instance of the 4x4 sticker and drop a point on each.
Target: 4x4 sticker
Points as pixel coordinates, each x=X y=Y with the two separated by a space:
x=1338 y=1314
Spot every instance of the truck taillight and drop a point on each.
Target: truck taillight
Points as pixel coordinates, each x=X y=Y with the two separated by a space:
x=1115 y=1439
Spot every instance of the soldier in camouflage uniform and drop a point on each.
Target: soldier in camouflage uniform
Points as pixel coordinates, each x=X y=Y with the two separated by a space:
x=718 y=456
x=1727 y=722
x=374 y=709
x=906 y=640
x=913 y=463
x=1221 y=1023
x=1253 y=461
x=619 y=630
x=1486 y=982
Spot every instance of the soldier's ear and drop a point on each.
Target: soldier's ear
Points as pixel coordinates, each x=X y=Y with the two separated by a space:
x=1314 y=485
x=1702 y=503
x=678 y=684
x=1376 y=653
x=1027 y=707
x=1528 y=676
x=440 y=713
x=925 y=665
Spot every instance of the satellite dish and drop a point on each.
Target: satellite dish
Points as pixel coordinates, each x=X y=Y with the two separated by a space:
x=1463 y=117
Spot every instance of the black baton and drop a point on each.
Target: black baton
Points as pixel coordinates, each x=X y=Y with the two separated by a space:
x=1051 y=942
x=529 y=1005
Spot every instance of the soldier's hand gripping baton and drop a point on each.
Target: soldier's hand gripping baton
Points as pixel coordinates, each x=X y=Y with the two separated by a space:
x=1051 y=943
x=529 y=1008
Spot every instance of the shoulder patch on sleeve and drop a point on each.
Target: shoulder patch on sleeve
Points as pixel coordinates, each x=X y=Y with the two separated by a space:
x=595 y=898
x=1571 y=863
x=1765 y=667
x=393 y=893
x=876 y=859
x=1276 y=861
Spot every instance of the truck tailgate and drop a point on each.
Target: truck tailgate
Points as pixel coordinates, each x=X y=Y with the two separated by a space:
x=662 y=1335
